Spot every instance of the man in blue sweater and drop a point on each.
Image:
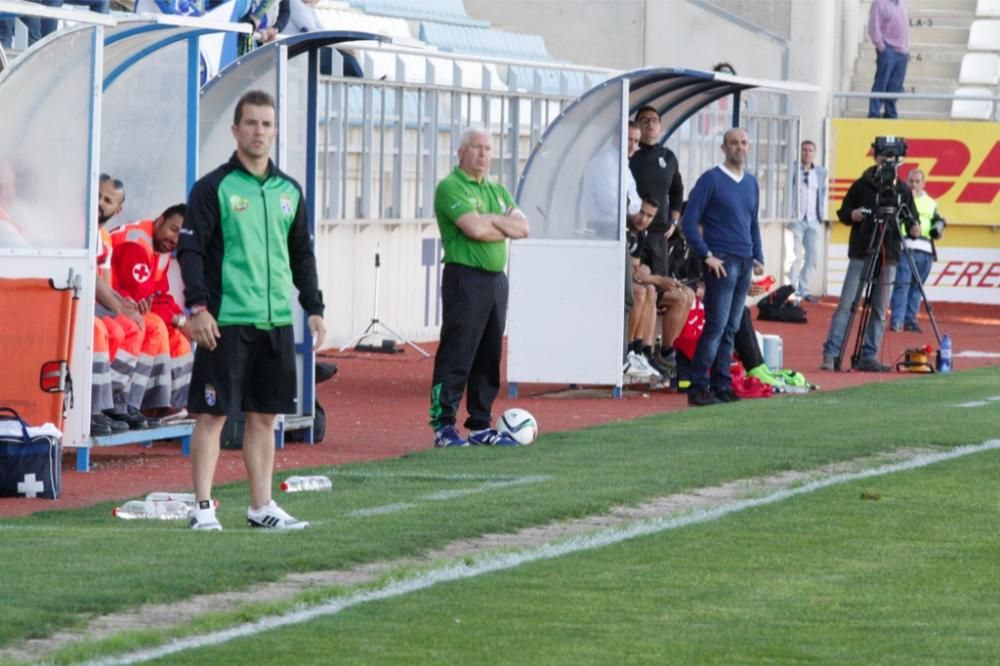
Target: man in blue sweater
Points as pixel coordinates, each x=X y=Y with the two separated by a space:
x=720 y=223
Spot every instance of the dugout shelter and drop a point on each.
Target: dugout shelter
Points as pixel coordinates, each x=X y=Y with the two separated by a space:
x=130 y=84
x=569 y=276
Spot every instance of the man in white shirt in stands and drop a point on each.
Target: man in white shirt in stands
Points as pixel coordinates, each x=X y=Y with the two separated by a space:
x=810 y=215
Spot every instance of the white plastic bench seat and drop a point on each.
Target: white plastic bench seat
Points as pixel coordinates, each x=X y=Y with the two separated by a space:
x=980 y=69
x=984 y=35
x=970 y=109
x=988 y=9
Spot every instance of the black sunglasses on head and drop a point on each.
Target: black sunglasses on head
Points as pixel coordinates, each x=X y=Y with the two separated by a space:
x=117 y=184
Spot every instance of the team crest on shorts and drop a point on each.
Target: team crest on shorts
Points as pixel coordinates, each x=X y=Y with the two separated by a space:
x=209 y=395
x=286 y=205
x=238 y=203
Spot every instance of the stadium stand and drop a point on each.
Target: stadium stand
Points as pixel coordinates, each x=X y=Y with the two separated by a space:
x=942 y=35
x=441 y=11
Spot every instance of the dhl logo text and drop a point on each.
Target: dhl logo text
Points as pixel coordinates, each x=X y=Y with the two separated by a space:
x=976 y=274
x=949 y=168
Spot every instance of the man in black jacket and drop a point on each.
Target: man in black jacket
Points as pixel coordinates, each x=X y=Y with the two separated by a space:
x=860 y=209
x=657 y=176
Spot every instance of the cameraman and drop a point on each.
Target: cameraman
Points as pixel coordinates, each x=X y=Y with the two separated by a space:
x=877 y=186
x=920 y=234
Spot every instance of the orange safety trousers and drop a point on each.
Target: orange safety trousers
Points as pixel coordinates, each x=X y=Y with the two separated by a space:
x=100 y=382
x=181 y=362
x=125 y=345
x=152 y=390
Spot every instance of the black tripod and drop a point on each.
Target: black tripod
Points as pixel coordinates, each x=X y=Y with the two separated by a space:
x=874 y=260
x=376 y=323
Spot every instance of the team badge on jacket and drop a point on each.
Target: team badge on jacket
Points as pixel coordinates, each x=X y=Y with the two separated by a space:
x=209 y=395
x=238 y=203
x=663 y=163
x=286 y=205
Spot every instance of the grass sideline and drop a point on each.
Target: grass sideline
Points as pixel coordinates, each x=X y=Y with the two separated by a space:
x=87 y=563
x=828 y=577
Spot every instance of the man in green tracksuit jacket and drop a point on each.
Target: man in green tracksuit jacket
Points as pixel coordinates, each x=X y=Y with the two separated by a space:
x=245 y=242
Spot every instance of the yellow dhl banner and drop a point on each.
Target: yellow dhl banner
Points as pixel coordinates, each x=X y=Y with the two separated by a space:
x=960 y=159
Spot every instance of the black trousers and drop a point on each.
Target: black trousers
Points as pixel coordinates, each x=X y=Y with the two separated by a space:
x=656 y=245
x=474 y=315
x=745 y=343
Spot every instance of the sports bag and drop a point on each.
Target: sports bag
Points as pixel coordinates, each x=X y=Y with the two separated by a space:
x=776 y=307
x=30 y=458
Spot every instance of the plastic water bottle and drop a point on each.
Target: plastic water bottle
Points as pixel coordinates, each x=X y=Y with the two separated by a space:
x=153 y=510
x=944 y=355
x=186 y=498
x=294 y=484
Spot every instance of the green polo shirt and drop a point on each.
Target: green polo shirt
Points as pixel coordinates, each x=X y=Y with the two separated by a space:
x=457 y=195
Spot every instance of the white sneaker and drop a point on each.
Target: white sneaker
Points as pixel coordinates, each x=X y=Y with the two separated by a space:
x=638 y=366
x=272 y=516
x=204 y=519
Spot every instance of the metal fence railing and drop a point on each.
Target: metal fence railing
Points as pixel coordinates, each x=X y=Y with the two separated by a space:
x=385 y=143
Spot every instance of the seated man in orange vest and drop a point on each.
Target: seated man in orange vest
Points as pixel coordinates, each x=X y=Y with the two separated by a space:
x=121 y=341
x=140 y=261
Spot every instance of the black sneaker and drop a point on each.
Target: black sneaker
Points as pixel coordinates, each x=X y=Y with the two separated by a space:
x=871 y=365
x=99 y=427
x=660 y=367
x=325 y=371
x=727 y=395
x=914 y=327
x=116 y=426
x=131 y=416
x=702 y=397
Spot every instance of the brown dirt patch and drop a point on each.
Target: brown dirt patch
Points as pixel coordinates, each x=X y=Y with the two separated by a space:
x=377 y=408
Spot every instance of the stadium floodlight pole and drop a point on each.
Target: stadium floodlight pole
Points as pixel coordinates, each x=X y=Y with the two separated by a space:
x=376 y=323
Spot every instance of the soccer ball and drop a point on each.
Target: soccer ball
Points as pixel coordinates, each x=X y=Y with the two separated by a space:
x=519 y=424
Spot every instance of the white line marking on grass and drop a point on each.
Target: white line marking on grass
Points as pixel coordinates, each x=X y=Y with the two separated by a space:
x=979 y=403
x=379 y=510
x=445 y=495
x=493 y=485
x=493 y=562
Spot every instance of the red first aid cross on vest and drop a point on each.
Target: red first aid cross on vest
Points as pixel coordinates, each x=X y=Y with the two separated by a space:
x=141 y=273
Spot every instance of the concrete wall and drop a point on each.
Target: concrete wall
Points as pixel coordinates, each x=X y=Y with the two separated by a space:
x=600 y=33
x=822 y=38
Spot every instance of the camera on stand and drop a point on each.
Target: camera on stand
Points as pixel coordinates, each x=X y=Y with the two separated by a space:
x=884 y=223
x=893 y=149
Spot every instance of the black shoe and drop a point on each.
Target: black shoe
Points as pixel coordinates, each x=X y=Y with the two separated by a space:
x=728 y=395
x=131 y=416
x=98 y=427
x=324 y=371
x=101 y=419
x=810 y=299
x=871 y=365
x=702 y=397
x=913 y=327
x=657 y=365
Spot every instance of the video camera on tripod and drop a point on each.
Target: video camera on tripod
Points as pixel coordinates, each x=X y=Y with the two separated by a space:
x=892 y=149
x=883 y=227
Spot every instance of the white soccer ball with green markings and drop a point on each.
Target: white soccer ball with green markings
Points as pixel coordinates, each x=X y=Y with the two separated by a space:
x=519 y=424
